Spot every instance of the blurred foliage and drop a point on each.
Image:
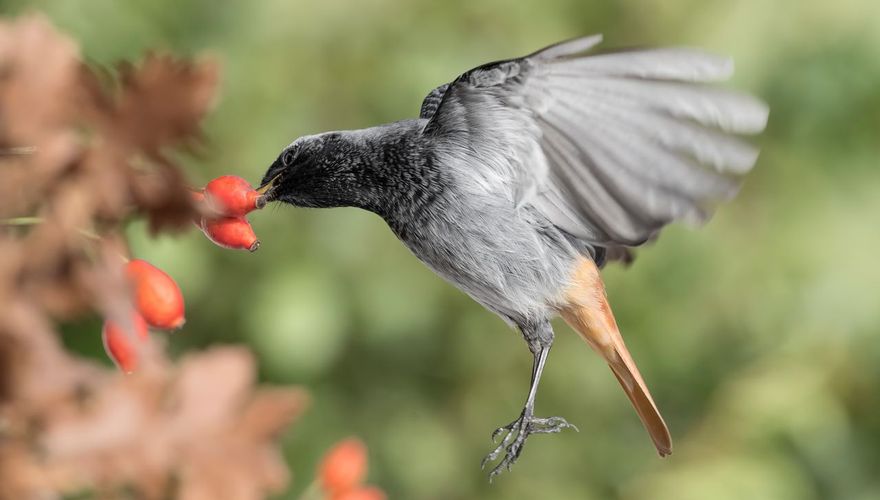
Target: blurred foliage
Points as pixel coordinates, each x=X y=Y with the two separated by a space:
x=758 y=334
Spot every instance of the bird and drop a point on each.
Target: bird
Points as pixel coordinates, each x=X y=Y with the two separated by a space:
x=522 y=178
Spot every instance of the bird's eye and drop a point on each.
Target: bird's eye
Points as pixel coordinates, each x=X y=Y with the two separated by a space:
x=287 y=158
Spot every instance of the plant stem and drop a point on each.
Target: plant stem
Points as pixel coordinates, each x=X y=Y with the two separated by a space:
x=33 y=221
x=17 y=151
x=21 y=221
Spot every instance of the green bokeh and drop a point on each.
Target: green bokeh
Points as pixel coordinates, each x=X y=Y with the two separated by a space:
x=759 y=335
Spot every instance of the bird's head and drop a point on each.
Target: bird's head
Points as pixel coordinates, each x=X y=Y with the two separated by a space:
x=315 y=171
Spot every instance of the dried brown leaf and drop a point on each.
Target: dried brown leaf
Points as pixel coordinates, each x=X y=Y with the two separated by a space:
x=162 y=101
x=200 y=424
x=270 y=410
x=39 y=71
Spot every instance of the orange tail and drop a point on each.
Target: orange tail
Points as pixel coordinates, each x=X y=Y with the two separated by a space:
x=587 y=311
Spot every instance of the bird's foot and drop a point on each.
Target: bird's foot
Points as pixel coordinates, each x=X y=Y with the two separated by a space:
x=515 y=435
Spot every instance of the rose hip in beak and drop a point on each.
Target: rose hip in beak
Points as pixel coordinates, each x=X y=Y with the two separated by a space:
x=232 y=196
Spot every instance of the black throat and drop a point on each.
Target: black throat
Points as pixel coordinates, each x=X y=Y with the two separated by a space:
x=404 y=180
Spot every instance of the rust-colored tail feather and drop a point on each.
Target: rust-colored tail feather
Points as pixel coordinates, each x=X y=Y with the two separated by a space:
x=588 y=312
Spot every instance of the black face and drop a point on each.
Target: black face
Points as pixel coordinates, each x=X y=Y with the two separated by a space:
x=283 y=167
x=316 y=171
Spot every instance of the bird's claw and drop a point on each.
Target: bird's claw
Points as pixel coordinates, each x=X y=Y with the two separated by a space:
x=514 y=441
x=503 y=428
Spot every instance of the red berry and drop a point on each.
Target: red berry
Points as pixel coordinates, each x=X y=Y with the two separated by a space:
x=365 y=493
x=344 y=466
x=156 y=296
x=120 y=345
x=231 y=232
x=231 y=196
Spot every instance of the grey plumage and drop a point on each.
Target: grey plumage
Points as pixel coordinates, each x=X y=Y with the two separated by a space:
x=517 y=170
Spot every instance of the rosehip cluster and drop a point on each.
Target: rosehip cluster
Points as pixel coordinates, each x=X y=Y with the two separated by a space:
x=227 y=200
x=158 y=302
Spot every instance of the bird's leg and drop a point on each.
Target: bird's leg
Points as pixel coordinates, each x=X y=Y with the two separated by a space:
x=515 y=433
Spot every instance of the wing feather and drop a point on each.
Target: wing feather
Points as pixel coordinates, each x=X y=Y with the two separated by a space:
x=609 y=147
x=682 y=64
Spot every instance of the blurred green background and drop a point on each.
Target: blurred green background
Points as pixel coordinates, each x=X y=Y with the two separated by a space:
x=758 y=335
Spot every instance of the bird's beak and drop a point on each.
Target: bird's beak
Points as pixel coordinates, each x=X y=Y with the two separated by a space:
x=267 y=190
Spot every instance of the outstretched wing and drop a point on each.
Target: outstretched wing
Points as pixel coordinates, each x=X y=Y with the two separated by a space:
x=610 y=146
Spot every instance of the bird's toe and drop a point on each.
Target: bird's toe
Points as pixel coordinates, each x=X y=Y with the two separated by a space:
x=517 y=432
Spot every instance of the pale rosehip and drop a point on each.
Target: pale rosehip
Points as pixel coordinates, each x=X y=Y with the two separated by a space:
x=156 y=295
x=121 y=347
x=230 y=232
x=344 y=466
x=232 y=196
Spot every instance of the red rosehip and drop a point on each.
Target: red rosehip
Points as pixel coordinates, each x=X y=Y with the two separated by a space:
x=231 y=232
x=232 y=196
x=344 y=466
x=121 y=346
x=156 y=296
x=363 y=493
